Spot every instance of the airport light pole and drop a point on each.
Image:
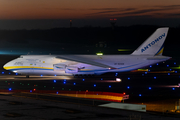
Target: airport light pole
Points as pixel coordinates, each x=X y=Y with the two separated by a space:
x=113 y=22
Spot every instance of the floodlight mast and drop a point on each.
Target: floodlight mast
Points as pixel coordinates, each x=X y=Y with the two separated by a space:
x=113 y=22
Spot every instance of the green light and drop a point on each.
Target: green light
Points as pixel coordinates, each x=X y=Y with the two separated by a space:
x=142 y=69
x=20 y=83
x=121 y=50
x=79 y=90
x=28 y=83
x=53 y=87
x=69 y=89
x=36 y=85
x=62 y=88
x=5 y=81
x=44 y=86
x=175 y=67
x=13 y=82
x=99 y=53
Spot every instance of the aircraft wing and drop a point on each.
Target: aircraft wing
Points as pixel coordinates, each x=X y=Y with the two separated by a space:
x=83 y=60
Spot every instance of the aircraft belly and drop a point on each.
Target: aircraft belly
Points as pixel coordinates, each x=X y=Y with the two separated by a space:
x=43 y=72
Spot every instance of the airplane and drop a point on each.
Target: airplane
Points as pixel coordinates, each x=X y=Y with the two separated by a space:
x=148 y=53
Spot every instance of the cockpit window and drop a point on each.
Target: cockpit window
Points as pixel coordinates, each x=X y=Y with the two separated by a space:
x=21 y=56
x=18 y=63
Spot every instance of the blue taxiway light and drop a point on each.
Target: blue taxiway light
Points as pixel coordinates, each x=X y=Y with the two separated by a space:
x=64 y=82
x=101 y=78
x=54 y=75
x=145 y=72
x=142 y=74
x=167 y=65
x=128 y=78
x=170 y=69
x=2 y=72
x=149 y=70
x=9 y=73
x=16 y=73
x=150 y=66
x=74 y=83
x=94 y=85
x=173 y=88
x=30 y=90
x=139 y=94
x=109 y=86
x=157 y=64
x=175 y=71
x=54 y=81
x=41 y=75
x=64 y=79
x=10 y=89
x=83 y=79
x=128 y=87
x=56 y=92
x=168 y=73
x=174 y=63
x=154 y=77
x=149 y=88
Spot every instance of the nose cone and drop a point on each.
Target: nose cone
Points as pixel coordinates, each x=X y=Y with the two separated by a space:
x=6 y=66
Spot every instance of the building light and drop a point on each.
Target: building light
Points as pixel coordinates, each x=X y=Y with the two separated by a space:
x=99 y=53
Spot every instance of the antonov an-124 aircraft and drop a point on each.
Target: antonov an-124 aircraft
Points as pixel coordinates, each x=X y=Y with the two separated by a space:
x=150 y=52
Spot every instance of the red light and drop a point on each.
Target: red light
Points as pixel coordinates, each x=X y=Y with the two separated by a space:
x=115 y=19
x=34 y=89
x=34 y=85
x=124 y=93
x=111 y=19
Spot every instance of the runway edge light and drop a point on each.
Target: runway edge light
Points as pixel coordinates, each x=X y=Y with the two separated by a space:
x=118 y=79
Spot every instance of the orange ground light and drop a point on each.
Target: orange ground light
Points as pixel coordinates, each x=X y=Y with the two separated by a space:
x=107 y=96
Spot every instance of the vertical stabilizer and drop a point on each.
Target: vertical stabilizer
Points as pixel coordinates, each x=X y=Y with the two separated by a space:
x=154 y=45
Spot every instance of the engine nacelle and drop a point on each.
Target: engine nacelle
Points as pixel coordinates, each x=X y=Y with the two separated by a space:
x=59 y=67
x=71 y=69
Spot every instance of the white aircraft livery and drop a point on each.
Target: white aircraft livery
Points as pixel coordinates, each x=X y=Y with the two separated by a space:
x=150 y=52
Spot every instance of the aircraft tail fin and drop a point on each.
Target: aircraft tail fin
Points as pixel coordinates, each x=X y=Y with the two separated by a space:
x=154 y=45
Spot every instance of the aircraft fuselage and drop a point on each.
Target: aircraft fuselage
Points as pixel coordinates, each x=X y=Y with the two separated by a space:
x=54 y=65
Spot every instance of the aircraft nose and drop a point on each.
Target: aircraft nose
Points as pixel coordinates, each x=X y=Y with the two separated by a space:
x=6 y=65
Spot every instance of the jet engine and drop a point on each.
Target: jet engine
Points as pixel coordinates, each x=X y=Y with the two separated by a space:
x=59 y=67
x=71 y=69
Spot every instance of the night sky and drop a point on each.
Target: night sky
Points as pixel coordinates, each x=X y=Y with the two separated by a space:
x=45 y=14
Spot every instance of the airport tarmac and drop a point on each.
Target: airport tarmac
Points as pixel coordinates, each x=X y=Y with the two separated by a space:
x=160 y=99
x=15 y=107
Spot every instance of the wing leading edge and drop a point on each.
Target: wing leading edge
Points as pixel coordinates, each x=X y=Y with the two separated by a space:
x=81 y=59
